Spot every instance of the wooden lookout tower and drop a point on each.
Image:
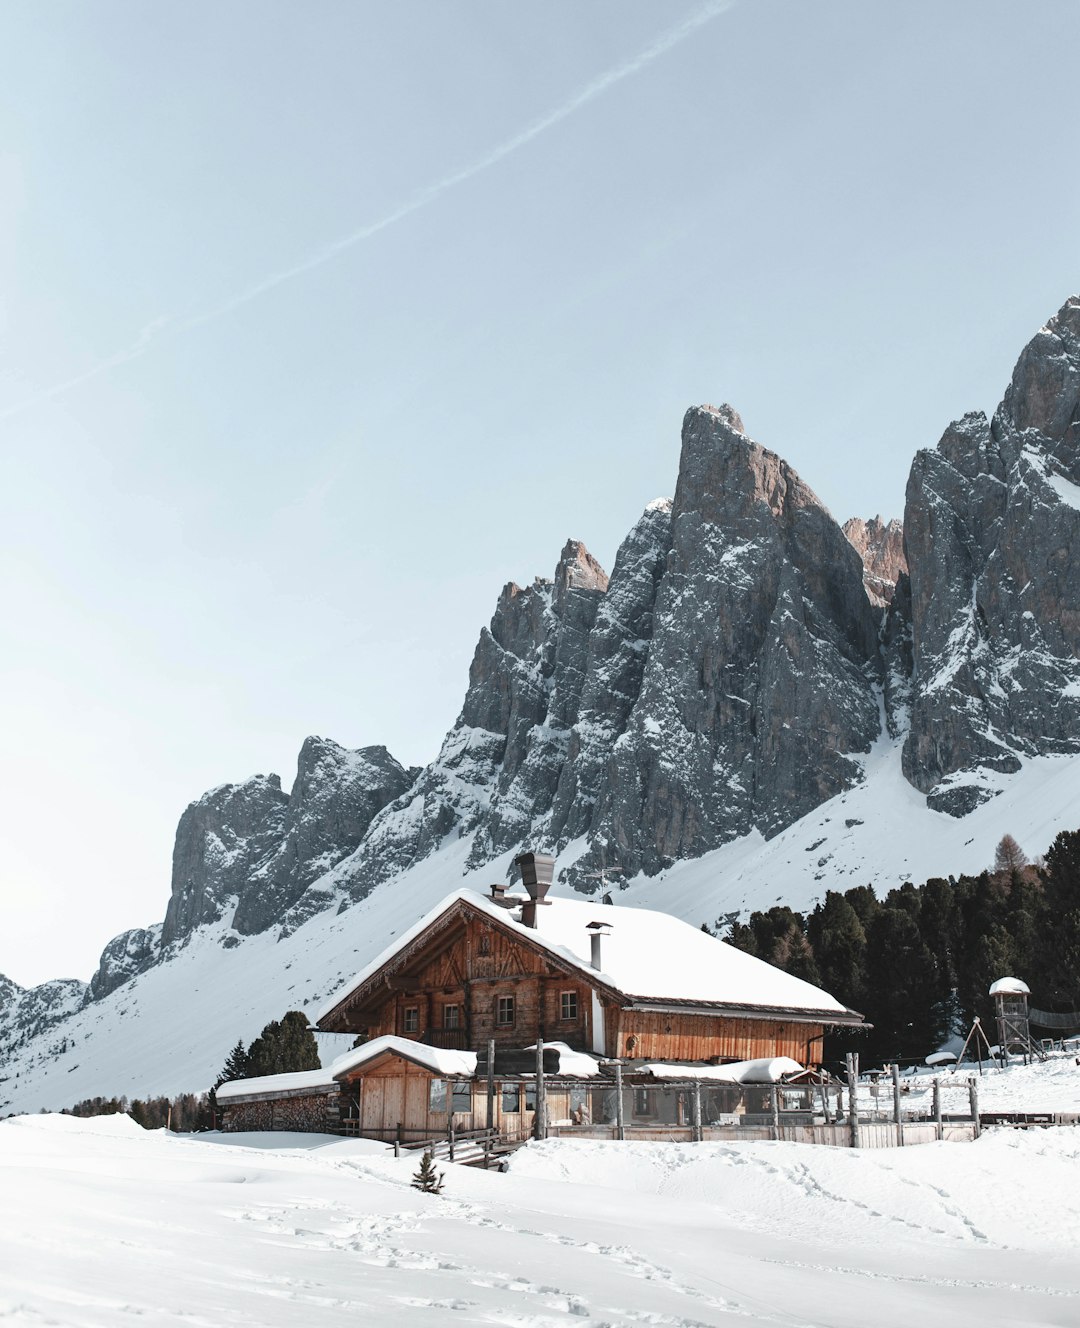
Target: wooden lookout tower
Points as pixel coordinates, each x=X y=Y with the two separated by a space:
x=1013 y=1018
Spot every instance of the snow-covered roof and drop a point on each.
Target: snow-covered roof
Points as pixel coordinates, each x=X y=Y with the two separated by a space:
x=439 y=1060
x=1012 y=986
x=312 y=1081
x=651 y=957
x=769 y=1070
x=577 y=1063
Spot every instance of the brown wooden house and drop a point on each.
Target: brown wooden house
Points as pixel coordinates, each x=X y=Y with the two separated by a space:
x=603 y=983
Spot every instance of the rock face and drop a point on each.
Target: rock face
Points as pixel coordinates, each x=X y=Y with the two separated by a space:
x=499 y=765
x=127 y=954
x=617 y=655
x=27 y=1012
x=992 y=531
x=663 y=713
x=759 y=682
x=335 y=797
x=220 y=841
x=253 y=851
x=880 y=545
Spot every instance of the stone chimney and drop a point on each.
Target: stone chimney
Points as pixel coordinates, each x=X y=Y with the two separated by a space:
x=596 y=930
x=537 y=872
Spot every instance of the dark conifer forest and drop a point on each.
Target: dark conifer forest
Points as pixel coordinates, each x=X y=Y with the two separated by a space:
x=918 y=962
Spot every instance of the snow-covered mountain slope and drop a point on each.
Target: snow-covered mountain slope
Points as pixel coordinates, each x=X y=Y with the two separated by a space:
x=880 y=832
x=170 y=1028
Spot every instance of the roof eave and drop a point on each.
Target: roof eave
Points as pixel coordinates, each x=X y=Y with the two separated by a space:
x=788 y=1014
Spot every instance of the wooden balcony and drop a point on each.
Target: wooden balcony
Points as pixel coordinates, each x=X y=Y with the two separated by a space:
x=453 y=1039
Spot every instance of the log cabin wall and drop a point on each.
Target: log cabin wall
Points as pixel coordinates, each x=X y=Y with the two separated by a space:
x=308 y=1113
x=646 y=1035
x=498 y=989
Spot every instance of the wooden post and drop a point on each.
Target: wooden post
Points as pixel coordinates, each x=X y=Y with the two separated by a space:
x=491 y=1084
x=696 y=1108
x=973 y=1098
x=939 y=1128
x=450 y=1134
x=774 y=1104
x=540 y=1117
x=620 y=1128
x=853 y=1103
x=897 y=1117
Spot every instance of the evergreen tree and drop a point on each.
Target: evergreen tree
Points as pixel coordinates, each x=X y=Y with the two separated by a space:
x=838 y=940
x=778 y=937
x=236 y=1065
x=1061 y=954
x=426 y=1178
x=905 y=998
x=283 y=1047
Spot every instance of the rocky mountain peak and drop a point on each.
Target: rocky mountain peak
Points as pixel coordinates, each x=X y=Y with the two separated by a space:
x=578 y=569
x=1044 y=394
x=880 y=545
x=725 y=413
x=759 y=619
x=992 y=530
x=250 y=850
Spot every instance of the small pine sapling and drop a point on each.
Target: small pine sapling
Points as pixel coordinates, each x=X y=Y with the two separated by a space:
x=427 y=1179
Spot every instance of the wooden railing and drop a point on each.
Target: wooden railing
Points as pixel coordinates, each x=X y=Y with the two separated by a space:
x=453 y=1039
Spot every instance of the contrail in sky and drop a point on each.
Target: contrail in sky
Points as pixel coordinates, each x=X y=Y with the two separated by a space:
x=596 y=88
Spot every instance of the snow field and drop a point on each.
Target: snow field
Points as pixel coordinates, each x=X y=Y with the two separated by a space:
x=104 y=1224
x=1051 y=1085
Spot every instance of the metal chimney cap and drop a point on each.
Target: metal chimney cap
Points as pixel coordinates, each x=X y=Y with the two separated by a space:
x=537 y=872
x=598 y=926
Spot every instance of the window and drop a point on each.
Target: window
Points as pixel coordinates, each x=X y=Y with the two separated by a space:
x=568 y=1005
x=643 y=1102
x=504 y=1012
x=437 y=1096
x=412 y=1019
x=451 y=1016
x=462 y=1096
x=518 y=1097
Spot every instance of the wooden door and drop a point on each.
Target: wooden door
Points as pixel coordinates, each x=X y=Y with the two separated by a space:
x=392 y=1107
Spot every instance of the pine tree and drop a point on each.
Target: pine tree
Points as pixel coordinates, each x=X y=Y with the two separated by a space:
x=236 y=1065
x=839 y=943
x=1061 y=922
x=905 y=998
x=283 y=1047
x=427 y=1178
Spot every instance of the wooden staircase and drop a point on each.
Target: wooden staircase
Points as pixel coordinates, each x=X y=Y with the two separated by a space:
x=467 y=1148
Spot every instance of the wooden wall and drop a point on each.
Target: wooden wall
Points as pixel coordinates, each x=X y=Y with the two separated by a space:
x=645 y=1035
x=481 y=965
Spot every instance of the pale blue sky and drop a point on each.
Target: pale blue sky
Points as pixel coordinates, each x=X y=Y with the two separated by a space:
x=232 y=519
